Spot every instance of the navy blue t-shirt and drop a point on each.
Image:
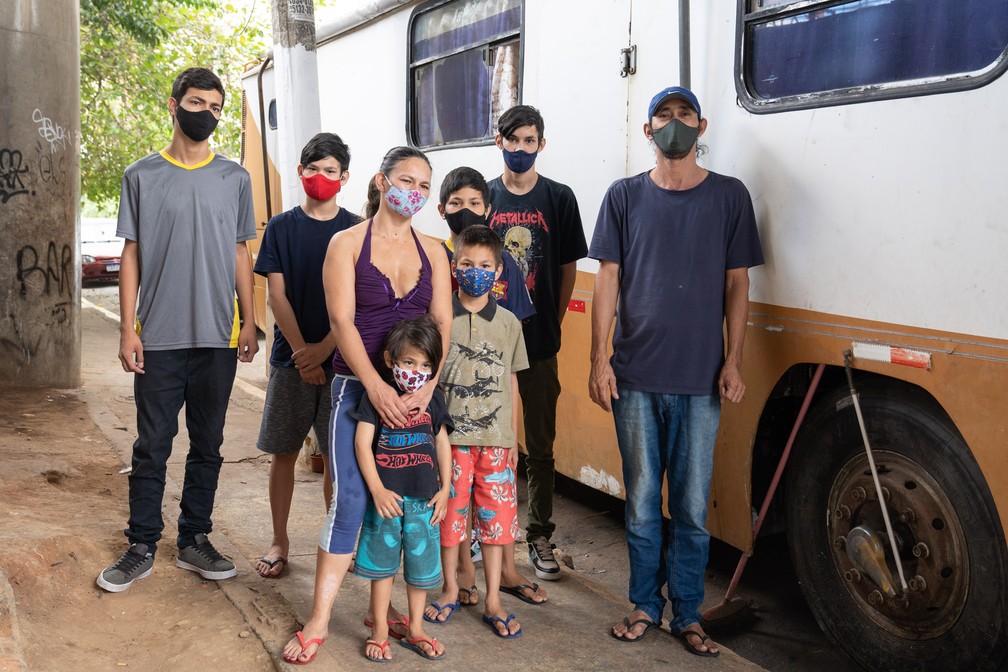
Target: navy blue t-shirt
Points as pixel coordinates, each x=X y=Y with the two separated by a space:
x=674 y=248
x=406 y=457
x=295 y=245
x=542 y=231
x=509 y=289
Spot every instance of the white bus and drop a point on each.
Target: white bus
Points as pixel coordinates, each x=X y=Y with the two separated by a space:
x=871 y=135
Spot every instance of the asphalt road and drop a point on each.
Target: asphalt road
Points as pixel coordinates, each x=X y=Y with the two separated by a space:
x=780 y=635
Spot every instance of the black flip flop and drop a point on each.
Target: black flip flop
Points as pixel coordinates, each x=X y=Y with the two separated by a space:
x=468 y=596
x=272 y=564
x=516 y=591
x=684 y=636
x=629 y=625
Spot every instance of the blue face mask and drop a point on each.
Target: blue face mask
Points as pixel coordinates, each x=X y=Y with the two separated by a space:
x=475 y=282
x=519 y=161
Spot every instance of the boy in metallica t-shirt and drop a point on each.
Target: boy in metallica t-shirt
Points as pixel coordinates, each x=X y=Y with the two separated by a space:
x=408 y=471
x=539 y=221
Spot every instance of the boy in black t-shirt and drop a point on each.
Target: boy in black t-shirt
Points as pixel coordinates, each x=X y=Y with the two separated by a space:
x=297 y=395
x=408 y=471
x=540 y=223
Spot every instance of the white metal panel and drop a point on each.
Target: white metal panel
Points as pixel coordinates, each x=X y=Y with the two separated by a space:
x=889 y=210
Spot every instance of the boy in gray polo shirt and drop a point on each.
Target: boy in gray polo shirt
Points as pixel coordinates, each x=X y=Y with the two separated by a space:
x=480 y=381
x=185 y=213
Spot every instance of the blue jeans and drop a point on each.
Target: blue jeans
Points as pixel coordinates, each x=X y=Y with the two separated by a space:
x=667 y=436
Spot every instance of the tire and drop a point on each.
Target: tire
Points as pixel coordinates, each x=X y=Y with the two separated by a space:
x=936 y=497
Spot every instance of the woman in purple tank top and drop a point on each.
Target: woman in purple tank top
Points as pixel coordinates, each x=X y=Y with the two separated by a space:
x=376 y=274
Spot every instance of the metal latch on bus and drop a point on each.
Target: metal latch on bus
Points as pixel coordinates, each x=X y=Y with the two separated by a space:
x=628 y=59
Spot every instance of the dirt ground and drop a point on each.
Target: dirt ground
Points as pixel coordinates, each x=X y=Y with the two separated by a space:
x=64 y=504
x=63 y=498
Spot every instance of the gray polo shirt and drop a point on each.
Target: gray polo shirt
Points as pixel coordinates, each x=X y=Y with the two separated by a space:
x=486 y=348
x=186 y=221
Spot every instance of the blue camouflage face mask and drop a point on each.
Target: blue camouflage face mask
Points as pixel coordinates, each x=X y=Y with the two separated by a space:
x=475 y=282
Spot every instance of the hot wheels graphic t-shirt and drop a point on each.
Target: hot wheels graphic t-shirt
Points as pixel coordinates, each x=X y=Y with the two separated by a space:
x=406 y=456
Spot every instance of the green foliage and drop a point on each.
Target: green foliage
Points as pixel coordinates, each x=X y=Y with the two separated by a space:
x=131 y=51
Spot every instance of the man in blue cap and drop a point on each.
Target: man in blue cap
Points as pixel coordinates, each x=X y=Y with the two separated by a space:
x=674 y=244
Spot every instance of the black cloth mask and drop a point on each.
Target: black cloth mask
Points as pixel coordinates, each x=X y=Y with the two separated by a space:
x=460 y=220
x=196 y=125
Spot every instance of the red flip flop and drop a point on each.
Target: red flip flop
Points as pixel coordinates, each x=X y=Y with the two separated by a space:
x=304 y=645
x=381 y=645
x=404 y=621
x=414 y=645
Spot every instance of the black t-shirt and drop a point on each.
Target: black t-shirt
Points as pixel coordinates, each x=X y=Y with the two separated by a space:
x=406 y=458
x=295 y=245
x=542 y=231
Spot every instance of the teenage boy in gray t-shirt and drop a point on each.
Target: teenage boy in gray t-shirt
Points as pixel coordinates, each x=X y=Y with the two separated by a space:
x=185 y=213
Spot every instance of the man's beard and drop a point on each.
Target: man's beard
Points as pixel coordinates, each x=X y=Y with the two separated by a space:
x=676 y=157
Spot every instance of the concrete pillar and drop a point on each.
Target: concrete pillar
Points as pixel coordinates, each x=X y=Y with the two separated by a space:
x=296 y=88
x=40 y=335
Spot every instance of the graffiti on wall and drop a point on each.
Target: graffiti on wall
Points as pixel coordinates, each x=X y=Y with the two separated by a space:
x=13 y=174
x=22 y=173
x=44 y=276
x=53 y=275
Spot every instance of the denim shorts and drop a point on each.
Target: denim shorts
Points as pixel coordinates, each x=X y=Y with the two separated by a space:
x=383 y=541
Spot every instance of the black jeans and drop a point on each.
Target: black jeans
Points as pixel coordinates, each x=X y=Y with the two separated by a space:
x=539 y=387
x=201 y=378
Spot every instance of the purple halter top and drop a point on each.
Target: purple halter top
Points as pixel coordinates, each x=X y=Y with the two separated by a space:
x=378 y=308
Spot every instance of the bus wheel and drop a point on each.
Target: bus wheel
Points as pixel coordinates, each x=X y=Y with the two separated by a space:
x=947 y=529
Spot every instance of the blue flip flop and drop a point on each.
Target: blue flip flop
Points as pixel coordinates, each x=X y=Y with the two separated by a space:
x=490 y=620
x=452 y=606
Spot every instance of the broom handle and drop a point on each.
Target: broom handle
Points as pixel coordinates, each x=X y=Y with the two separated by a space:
x=776 y=478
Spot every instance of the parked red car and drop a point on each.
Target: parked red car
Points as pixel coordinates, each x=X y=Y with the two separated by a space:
x=99 y=267
x=100 y=250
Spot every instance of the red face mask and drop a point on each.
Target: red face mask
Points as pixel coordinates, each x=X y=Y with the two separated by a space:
x=320 y=187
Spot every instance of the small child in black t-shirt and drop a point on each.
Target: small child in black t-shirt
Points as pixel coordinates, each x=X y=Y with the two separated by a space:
x=408 y=471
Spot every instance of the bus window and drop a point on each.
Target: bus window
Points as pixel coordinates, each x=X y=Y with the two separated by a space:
x=464 y=65
x=795 y=55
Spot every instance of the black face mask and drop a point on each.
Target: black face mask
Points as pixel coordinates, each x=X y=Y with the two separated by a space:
x=460 y=220
x=196 y=125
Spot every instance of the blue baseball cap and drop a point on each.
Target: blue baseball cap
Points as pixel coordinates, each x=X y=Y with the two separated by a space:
x=673 y=92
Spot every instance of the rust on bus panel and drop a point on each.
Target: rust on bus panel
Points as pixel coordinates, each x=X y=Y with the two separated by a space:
x=968 y=376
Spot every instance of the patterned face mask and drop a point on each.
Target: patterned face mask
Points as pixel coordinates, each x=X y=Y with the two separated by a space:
x=409 y=381
x=405 y=203
x=475 y=282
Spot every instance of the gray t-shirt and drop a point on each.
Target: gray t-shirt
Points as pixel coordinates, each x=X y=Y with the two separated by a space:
x=186 y=221
x=674 y=248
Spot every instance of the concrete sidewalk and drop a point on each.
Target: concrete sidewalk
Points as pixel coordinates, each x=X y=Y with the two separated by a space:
x=569 y=632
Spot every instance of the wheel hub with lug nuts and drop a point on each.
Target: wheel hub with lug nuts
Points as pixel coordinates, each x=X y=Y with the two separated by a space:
x=929 y=537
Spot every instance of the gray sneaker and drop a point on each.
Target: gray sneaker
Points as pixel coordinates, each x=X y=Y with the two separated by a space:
x=204 y=559
x=135 y=563
x=542 y=560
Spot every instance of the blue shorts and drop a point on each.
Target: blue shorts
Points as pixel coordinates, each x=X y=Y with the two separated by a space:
x=409 y=536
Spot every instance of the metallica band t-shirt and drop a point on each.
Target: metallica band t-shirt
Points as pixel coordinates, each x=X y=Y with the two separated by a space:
x=406 y=457
x=542 y=231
